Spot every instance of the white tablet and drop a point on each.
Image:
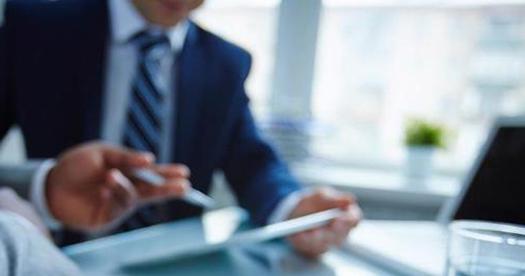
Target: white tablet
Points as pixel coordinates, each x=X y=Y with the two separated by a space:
x=257 y=235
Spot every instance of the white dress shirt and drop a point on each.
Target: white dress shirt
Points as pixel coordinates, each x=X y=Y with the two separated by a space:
x=121 y=68
x=122 y=57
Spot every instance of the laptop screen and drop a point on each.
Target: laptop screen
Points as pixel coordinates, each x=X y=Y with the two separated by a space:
x=497 y=190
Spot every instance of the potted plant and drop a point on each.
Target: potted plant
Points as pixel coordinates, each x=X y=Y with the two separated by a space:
x=422 y=138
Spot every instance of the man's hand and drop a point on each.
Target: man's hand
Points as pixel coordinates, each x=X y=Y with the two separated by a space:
x=10 y=201
x=315 y=242
x=88 y=188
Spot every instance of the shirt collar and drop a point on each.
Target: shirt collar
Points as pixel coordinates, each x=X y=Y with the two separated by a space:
x=126 y=21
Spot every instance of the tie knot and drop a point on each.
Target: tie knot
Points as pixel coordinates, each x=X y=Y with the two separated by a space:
x=147 y=41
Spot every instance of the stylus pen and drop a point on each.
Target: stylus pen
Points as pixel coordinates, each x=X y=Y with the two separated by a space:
x=192 y=196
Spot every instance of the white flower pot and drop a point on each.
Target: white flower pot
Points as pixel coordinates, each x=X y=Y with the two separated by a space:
x=419 y=161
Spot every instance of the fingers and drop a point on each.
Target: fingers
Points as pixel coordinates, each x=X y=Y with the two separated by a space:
x=117 y=197
x=301 y=245
x=122 y=188
x=172 y=189
x=312 y=243
x=116 y=157
x=102 y=214
x=355 y=214
x=322 y=199
x=317 y=241
x=120 y=158
x=107 y=222
x=327 y=198
x=341 y=226
x=176 y=184
x=172 y=170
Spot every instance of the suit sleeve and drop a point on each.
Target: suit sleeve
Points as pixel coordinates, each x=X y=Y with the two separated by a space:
x=25 y=251
x=6 y=99
x=18 y=177
x=258 y=177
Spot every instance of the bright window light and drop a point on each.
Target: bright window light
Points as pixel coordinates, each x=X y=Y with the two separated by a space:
x=377 y=68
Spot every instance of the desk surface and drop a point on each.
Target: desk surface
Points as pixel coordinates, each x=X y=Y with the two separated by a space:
x=103 y=256
x=380 y=185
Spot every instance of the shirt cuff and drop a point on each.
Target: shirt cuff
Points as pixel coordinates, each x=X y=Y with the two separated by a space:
x=287 y=205
x=37 y=195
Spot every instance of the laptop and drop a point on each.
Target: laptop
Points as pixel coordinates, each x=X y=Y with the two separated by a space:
x=494 y=190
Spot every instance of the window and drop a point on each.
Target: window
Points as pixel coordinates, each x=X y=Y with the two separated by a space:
x=379 y=65
x=252 y=25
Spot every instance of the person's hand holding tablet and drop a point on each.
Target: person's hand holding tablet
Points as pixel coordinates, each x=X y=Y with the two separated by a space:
x=313 y=243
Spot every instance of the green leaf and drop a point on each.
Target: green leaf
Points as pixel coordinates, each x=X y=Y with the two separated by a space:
x=424 y=133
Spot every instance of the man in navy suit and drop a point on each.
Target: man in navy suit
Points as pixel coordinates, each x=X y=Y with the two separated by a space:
x=139 y=73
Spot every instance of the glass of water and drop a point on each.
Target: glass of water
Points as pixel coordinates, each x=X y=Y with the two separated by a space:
x=485 y=248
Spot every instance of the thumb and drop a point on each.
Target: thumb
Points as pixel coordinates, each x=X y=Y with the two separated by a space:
x=328 y=199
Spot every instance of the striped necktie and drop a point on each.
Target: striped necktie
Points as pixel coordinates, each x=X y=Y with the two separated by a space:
x=146 y=111
x=143 y=129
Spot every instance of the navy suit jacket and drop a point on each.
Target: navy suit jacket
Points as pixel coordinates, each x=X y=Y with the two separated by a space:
x=52 y=70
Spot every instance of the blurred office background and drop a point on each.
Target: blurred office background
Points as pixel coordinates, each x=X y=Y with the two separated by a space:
x=334 y=83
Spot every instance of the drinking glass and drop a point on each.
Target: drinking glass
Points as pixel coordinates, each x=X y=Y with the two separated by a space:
x=485 y=248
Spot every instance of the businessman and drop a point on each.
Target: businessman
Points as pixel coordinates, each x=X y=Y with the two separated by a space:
x=141 y=74
x=87 y=189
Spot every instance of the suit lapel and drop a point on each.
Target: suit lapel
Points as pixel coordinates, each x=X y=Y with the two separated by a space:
x=190 y=70
x=190 y=82
x=92 y=67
